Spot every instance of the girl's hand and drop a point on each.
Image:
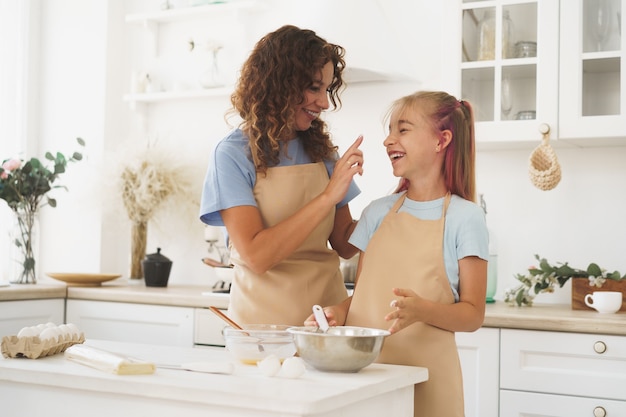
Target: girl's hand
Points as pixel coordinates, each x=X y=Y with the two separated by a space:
x=408 y=309
x=334 y=315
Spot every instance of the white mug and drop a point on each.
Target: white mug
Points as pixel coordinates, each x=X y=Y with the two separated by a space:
x=604 y=301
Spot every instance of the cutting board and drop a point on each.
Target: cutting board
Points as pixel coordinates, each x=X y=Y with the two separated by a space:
x=581 y=287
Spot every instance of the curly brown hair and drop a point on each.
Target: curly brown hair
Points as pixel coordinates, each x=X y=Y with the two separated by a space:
x=282 y=65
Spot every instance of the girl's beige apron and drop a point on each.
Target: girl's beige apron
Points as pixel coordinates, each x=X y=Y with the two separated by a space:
x=407 y=252
x=311 y=275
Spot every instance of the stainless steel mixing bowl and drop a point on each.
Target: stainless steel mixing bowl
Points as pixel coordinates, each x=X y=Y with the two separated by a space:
x=341 y=349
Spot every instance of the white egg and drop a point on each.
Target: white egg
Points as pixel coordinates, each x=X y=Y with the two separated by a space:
x=40 y=328
x=270 y=365
x=50 y=324
x=293 y=367
x=66 y=332
x=49 y=334
x=27 y=332
x=73 y=328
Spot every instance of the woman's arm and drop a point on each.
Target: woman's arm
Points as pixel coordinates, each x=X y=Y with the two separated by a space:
x=262 y=248
x=343 y=228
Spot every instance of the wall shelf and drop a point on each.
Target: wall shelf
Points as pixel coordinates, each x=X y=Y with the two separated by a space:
x=185 y=13
x=178 y=95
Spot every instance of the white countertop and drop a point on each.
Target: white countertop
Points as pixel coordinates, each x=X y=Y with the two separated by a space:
x=246 y=392
x=552 y=317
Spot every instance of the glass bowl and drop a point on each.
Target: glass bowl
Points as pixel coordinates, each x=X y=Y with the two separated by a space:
x=257 y=341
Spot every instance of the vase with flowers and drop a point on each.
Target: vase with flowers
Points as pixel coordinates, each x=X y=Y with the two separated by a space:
x=546 y=277
x=24 y=185
x=150 y=178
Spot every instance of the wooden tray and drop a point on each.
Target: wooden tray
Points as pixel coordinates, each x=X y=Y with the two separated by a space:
x=581 y=287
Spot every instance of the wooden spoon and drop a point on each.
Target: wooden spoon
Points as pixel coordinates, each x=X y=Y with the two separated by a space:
x=232 y=323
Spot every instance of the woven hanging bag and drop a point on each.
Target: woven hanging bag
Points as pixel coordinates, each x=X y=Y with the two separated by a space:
x=544 y=169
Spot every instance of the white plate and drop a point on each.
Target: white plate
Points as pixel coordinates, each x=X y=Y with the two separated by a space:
x=80 y=279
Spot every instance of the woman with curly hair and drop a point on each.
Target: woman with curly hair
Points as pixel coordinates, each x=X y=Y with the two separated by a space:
x=278 y=185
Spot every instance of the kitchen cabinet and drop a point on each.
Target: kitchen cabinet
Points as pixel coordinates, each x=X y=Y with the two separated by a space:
x=127 y=322
x=512 y=88
x=17 y=314
x=562 y=374
x=573 y=83
x=592 y=93
x=479 y=353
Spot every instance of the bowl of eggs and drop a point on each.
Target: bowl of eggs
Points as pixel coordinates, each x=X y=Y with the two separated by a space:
x=255 y=342
x=41 y=340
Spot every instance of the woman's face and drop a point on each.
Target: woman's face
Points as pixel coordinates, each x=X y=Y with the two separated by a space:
x=315 y=99
x=411 y=144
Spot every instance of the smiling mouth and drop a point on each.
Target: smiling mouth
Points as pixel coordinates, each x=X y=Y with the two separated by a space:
x=314 y=115
x=394 y=156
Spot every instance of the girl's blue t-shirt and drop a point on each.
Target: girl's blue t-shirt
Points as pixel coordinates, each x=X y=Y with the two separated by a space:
x=231 y=176
x=465 y=229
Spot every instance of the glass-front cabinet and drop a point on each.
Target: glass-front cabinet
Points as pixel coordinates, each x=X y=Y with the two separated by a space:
x=525 y=63
x=592 y=72
x=507 y=53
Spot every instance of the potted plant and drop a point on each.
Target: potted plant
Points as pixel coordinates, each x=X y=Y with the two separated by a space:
x=546 y=277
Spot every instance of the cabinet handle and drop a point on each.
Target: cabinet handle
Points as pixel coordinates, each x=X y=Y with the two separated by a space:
x=544 y=128
x=599 y=412
x=599 y=347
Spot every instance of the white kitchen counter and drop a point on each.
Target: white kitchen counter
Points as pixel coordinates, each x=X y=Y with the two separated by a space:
x=54 y=386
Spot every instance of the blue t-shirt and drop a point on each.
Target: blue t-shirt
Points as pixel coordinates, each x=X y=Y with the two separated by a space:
x=231 y=176
x=465 y=229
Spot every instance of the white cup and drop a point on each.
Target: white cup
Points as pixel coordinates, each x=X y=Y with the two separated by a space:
x=604 y=301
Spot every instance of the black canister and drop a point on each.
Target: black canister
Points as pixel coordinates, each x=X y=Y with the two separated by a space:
x=156 y=269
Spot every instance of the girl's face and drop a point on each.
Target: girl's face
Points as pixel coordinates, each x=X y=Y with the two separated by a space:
x=315 y=99
x=412 y=143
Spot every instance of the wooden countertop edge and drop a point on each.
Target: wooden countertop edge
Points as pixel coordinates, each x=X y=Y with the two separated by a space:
x=21 y=292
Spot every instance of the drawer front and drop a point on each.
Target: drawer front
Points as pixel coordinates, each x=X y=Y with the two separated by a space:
x=208 y=328
x=564 y=363
x=526 y=404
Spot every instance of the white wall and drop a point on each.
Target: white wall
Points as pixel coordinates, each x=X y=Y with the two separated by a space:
x=85 y=72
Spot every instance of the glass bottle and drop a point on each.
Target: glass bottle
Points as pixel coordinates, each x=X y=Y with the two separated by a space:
x=507 y=35
x=492 y=265
x=487 y=35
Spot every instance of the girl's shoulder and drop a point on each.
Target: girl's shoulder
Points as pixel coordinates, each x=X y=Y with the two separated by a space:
x=382 y=204
x=462 y=211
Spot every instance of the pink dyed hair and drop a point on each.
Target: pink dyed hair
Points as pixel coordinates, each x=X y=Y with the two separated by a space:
x=447 y=113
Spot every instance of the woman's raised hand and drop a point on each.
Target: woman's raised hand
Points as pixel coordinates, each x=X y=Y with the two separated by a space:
x=346 y=167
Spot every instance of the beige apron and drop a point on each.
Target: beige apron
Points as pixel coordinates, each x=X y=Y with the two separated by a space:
x=311 y=275
x=407 y=252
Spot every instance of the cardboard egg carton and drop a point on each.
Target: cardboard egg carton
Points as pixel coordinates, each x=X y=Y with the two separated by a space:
x=33 y=347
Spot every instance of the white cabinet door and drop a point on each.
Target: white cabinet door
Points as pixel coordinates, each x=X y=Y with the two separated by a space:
x=592 y=73
x=125 y=322
x=479 y=354
x=208 y=328
x=17 y=314
x=512 y=92
x=527 y=404
x=563 y=363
